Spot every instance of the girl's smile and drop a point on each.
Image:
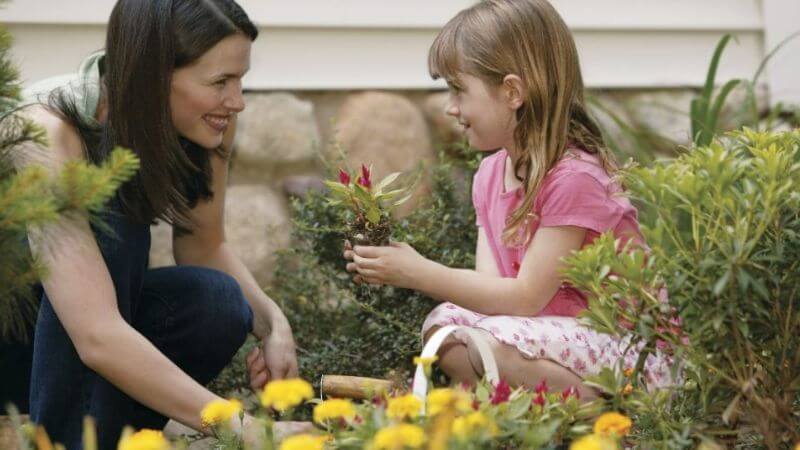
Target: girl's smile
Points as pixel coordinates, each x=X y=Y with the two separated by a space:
x=483 y=112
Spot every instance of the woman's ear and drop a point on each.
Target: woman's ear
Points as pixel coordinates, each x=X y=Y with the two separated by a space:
x=513 y=91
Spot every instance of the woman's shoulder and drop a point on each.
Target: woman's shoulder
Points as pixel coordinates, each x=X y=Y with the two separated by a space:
x=63 y=142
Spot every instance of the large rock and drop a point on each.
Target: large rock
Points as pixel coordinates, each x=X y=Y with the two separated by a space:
x=256 y=226
x=277 y=134
x=386 y=131
x=446 y=129
x=161 y=245
x=665 y=112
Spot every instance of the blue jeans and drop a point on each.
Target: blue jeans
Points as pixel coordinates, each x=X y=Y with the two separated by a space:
x=195 y=316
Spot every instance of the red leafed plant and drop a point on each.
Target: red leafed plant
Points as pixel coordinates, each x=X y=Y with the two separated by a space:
x=370 y=203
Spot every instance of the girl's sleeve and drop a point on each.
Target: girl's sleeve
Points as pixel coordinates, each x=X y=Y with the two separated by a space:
x=578 y=199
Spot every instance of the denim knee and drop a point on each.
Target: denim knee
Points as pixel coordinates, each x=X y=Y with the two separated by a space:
x=229 y=313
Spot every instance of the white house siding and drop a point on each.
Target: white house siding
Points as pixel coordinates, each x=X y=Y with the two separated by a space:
x=364 y=44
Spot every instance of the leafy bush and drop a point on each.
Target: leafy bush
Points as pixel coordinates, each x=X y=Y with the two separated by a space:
x=375 y=332
x=723 y=225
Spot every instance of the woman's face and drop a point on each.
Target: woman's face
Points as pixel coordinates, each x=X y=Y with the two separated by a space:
x=207 y=93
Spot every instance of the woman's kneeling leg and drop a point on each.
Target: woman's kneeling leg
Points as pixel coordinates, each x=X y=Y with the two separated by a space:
x=195 y=316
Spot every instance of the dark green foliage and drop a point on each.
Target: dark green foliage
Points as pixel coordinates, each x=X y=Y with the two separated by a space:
x=723 y=226
x=379 y=336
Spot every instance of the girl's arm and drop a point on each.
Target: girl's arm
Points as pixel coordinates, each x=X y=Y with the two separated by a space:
x=80 y=289
x=484 y=260
x=206 y=247
x=538 y=280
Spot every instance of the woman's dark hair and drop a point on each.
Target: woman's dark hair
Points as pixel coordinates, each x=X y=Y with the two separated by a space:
x=146 y=41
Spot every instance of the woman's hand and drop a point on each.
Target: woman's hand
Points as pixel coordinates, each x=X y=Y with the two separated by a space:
x=276 y=358
x=396 y=264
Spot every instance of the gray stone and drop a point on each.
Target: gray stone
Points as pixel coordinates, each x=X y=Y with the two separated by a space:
x=257 y=225
x=300 y=185
x=445 y=128
x=276 y=134
x=665 y=112
x=386 y=131
x=161 y=245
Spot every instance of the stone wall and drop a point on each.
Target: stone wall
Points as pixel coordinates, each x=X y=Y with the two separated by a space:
x=284 y=141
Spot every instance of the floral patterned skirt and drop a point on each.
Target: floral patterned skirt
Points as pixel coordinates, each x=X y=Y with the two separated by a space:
x=559 y=339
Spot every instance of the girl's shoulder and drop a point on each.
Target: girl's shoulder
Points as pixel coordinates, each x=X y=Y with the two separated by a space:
x=578 y=163
x=491 y=169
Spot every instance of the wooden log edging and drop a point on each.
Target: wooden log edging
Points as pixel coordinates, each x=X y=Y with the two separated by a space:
x=356 y=388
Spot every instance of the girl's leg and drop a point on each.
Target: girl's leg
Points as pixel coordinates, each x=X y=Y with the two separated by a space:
x=454 y=359
x=521 y=371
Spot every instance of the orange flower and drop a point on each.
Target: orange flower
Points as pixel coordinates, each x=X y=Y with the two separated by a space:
x=627 y=389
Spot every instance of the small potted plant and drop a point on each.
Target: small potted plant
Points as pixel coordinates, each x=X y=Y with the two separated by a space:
x=370 y=204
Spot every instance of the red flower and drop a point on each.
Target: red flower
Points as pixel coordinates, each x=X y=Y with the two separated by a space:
x=541 y=388
x=501 y=392
x=379 y=401
x=344 y=177
x=539 y=400
x=572 y=390
x=364 y=179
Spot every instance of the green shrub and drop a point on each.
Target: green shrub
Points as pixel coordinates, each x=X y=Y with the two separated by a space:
x=724 y=231
x=335 y=331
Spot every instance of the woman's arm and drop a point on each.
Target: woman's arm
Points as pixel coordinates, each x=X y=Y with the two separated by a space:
x=538 y=280
x=206 y=247
x=80 y=289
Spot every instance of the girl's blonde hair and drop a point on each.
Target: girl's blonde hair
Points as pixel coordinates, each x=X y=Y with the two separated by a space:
x=528 y=38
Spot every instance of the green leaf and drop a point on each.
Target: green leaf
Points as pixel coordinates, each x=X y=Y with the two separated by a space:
x=386 y=181
x=374 y=215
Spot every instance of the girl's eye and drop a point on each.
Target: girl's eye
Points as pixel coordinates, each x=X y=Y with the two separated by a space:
x=220 y=83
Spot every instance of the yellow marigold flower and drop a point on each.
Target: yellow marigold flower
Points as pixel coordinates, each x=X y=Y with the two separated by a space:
x=144 y=440
x=426 y=362
x=797 y=446
x=627 y=389
x=594 y=442
x=439 y=399
x=397 y=437
x=407 y=406
x=220 y=411
x=304 y=442
x=628 y=372
x=334 y=409
x=286 y=394
x=471 y=424
x=612 y=423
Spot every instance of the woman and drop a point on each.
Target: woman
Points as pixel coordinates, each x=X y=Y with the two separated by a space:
x=114 y=340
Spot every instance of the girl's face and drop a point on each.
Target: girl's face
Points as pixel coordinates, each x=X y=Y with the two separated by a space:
x=206 y=94
x=484 y=114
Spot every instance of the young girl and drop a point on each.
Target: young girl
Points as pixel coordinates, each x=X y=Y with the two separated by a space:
x=546 y=191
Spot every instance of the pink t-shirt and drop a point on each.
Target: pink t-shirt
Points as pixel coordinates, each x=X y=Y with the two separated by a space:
x=577 y=192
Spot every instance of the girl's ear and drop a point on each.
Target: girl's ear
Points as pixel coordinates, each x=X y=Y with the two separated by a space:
x=513 y=91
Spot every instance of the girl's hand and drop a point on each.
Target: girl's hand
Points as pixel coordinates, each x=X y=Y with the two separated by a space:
x=396 y=264
x=351 y=267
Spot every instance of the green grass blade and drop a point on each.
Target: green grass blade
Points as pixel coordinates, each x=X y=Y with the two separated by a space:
x=713 y=114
